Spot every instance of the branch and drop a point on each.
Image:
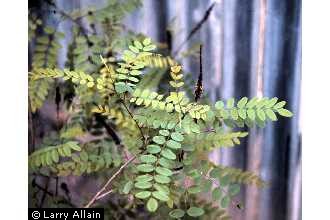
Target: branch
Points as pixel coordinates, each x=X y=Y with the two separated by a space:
x=137 y=124
x=199 y=84
x=104 y=194
x=100 y=193
x=195 y=29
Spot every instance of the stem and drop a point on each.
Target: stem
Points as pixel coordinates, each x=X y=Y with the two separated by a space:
x=99 y=194
x=195 y=29
x=137 y=124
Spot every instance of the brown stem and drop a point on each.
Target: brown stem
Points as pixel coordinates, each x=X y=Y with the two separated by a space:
x=99 y=194
x=137 y=124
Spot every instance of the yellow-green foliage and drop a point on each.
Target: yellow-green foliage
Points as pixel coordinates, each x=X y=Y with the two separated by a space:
x=170 y=133
x=50 y=155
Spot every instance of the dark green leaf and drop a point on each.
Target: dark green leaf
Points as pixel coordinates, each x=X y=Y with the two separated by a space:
x=225 y=202
x=234 y=189
x=216 y=193
x=215 y=172
x=224 y=180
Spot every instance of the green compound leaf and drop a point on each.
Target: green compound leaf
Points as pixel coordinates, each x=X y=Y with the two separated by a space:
x=177 y=136
x=138 y=45
x=146 y=41
x=195 y=211
x=215 y=172
x=194 y=189
x=167 y=153
x=280 y=105
x=166 y=163
x=261 y=114
x=148 y=158
x=252 y=102
x=159 y=139
x=177 y=213
x=271 y=115
x=206 y=187
x=225 y=202
x=173 y=144
x=234 y=189
x=152 y=205
x=143 y=194
x=216 y=193
x=241 y=103
x=234 y=113
x=144 y=178
x=162 y=179
x=219 y=105
x=160 y=196
x=149 y=48
x=251 y=114
x=242 y=113
x=55 y=156
x=146 y=168
x=134 y=49
x=143 y=185
x=284 y=112
x=271 y=102
x=230 y=103
x=153 y=149
x=164 y=171
x=128 y=186
x=224 y=180
x=162 y=188
x=164 y=132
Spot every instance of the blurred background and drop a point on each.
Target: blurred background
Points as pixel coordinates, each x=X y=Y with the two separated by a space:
x=250 y=48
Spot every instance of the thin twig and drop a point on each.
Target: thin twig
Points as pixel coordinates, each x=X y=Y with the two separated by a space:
x=104 y=194
x=199 y=84
x=137 y=124
x=99 y=193
x=195 y=29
